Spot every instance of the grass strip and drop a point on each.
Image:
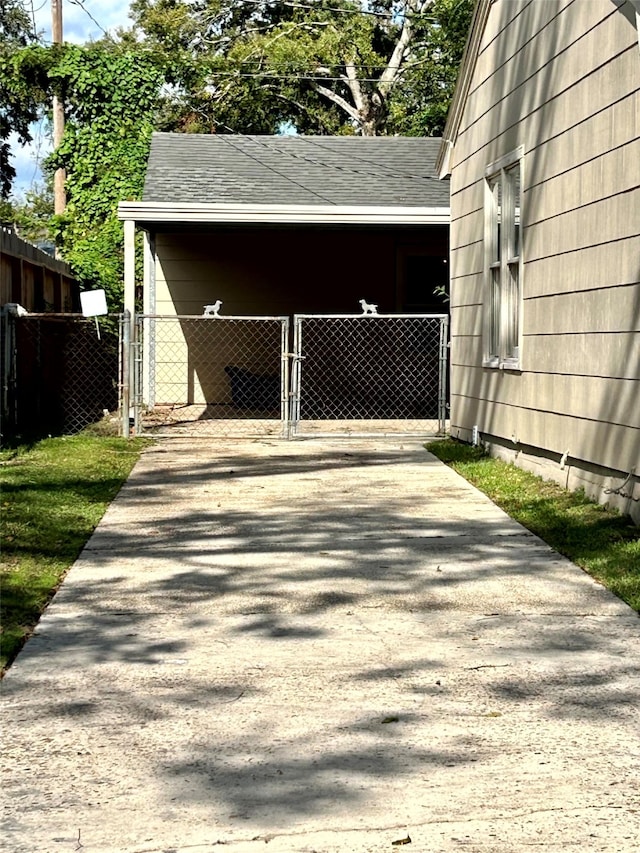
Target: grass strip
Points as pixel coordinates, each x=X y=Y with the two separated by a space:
x=601 y=541
x=54 y=493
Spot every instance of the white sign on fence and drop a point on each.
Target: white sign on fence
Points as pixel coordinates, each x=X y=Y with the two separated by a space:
x=94 y=304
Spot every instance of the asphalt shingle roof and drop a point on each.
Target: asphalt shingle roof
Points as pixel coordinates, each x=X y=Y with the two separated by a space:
x=297 y=170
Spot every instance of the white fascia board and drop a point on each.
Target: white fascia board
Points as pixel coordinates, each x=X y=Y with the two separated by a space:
x=280 y=214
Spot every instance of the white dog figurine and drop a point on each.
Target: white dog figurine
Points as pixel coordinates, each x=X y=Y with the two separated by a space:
x=213 y=310
x=368 y=308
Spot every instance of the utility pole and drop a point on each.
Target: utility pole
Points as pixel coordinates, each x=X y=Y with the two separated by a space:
x=59 y=194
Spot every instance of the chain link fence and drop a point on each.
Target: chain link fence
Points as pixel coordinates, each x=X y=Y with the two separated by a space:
x=60 y=373
x=230 y=375
x=226 y=375
x=369 y=374
x=211 y=375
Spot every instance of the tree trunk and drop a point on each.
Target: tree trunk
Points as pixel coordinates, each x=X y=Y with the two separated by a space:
x=372 y=117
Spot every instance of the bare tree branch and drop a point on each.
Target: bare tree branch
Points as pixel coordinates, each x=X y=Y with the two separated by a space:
x=354 y=86
x=392 y=71
x=302 y=107
x=349 y=109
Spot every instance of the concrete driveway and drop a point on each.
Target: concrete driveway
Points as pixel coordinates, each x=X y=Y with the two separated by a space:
x=321 y=646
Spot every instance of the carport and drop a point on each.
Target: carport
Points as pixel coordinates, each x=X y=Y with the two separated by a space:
x=276 y=228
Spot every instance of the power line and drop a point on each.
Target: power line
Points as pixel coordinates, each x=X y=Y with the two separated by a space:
x=80 y=5
x=267 y=75
x=327 y=66
x=306 y=23
x=340 y=10
x=37 y=147
x=395 y=173
x=310 y=76
x=282 y=153
x=388 y=173
x=33 y=16
x=86 y=11
x=227 y=139
x=30 y=10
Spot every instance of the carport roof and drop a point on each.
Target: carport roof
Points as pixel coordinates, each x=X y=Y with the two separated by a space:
x=228 y=178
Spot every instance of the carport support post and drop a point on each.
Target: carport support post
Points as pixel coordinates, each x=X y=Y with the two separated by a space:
x=130 y=313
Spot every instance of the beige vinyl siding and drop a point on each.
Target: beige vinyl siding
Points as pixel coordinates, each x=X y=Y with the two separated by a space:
x=594 y=441
x=515 y=55
x=549 y=135
x=616 y=126
x=614 y=173
x=605 y=310
x=588 y=268
x=567 y=394
x=600 y=105
x=467 y=258
x=563 y=80
x=583 y=41
x=605 y=221
x=594 y=354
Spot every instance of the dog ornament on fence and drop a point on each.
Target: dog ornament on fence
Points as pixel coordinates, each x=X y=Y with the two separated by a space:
x=213 y=310
x=368 y=307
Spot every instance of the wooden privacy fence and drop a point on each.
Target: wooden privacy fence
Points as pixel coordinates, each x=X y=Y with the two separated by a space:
x=33 y=279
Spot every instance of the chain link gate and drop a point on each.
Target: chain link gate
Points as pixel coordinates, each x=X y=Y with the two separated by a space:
x=369 y=374
x=211 y=375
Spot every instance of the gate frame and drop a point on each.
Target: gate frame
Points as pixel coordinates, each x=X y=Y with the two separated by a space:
x=135 y=347
x=140 y=346
x=297 y=357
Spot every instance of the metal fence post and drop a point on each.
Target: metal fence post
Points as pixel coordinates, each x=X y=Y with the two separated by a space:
x=284 y=379
x=126 y=371
x=442 y=384
x=296 y=367
x=137 y=378
x=8 y=366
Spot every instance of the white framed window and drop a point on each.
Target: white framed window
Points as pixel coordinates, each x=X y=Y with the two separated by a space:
x=503 y=262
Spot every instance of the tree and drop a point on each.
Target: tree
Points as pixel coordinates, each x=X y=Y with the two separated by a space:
x=419 y=105
x=22 y=84
x=323 y=66
x=31 y=215
x=111 y=95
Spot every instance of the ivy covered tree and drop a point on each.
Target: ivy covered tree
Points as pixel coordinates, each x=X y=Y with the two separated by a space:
x=111 y=96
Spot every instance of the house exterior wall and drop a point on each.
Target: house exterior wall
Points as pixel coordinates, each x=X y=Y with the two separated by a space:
x=279 y=272
x=562 y=79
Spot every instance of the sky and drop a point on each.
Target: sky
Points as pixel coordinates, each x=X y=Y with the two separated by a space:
x=82 y=21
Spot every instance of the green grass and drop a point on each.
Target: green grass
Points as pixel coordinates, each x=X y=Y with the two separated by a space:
x=54 y=492
x=602 y=542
